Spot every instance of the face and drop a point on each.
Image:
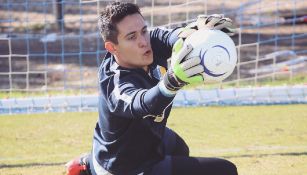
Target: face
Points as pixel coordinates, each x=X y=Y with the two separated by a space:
x=133 y=49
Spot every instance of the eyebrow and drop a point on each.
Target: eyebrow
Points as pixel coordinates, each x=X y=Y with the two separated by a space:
x=130 y=33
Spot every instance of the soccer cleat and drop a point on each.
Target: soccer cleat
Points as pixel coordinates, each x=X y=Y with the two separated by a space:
x=78 y=166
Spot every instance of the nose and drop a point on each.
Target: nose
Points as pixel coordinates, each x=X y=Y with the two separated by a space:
x=142 y=41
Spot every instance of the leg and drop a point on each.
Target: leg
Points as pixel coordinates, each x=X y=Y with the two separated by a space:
x=174 y=144
x=183 y=165
x=202 y=166
x=164 y=167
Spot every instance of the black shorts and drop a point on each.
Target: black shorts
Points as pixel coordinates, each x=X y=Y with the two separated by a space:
x=178 y=162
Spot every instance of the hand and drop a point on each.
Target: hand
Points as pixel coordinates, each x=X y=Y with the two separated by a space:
x=215 y=21
x=181 y=72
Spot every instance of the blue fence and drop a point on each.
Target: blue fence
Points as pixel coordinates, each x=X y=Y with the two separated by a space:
x=54 y=47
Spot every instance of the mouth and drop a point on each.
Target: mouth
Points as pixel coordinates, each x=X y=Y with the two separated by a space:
x=147 y=53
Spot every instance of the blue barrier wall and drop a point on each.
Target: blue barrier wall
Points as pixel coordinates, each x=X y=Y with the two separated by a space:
x=184 y=98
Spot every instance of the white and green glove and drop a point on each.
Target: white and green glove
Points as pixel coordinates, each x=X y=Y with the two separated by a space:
x=215 y=21
x=180 y=71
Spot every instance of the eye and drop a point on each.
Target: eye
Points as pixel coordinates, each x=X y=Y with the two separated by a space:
x=131 y=37
x=144 y=31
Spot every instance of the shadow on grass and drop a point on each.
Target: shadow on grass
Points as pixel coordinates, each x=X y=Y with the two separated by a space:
x=30 y=165
x=235 y=156
x=267 y=155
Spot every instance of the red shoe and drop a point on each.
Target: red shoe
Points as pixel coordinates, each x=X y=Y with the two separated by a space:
x=78 y=166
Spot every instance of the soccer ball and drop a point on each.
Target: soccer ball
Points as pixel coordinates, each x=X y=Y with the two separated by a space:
x=217 y=52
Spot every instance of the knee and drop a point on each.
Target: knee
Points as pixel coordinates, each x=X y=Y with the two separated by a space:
x=229 y=168
x=183 y=151
x=181 y=148
x=219 y=166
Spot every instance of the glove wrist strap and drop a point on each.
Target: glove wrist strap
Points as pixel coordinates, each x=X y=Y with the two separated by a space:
x=165 y=91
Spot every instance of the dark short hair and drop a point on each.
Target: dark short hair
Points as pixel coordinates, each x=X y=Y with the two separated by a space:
x=112 y=15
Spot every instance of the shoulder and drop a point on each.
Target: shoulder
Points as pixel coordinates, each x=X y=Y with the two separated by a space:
x=159 y=32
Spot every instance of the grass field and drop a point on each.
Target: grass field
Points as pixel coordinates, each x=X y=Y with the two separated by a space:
x=260 y=140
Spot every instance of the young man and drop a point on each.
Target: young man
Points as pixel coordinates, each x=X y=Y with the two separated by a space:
x=137 y=88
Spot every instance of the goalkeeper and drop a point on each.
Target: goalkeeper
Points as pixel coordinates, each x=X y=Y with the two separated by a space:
x=137 y=88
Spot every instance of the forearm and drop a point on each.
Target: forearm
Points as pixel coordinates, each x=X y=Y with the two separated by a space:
x=150 y=102
x=129 y=100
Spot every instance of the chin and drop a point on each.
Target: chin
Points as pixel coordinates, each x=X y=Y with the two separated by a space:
x=148 y=59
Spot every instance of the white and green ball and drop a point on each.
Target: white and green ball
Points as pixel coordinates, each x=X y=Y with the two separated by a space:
x=217 y=52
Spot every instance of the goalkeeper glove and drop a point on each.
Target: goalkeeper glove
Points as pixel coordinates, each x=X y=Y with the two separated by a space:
x=181 y=72
x=215 y=21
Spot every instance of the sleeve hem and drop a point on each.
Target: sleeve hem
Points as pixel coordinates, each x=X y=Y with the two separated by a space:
x=166 y=92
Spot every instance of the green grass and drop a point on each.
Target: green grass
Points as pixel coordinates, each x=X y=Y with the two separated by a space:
x=266 y=140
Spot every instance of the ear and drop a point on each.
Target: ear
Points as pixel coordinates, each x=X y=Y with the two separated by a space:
x=110 y=47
